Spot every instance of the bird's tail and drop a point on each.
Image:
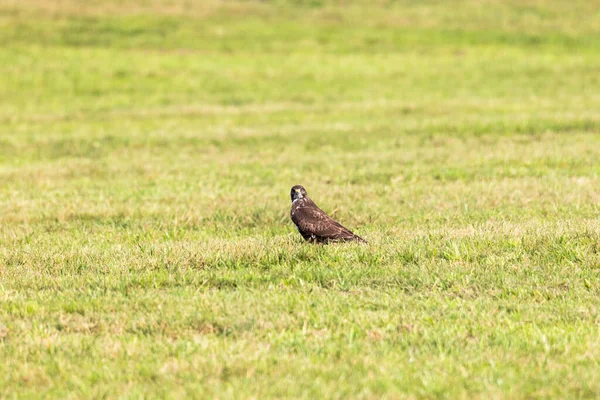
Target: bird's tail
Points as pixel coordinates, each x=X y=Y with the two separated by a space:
x=359 y=239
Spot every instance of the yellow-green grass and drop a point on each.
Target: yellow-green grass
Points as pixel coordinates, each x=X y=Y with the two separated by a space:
x=147 y=150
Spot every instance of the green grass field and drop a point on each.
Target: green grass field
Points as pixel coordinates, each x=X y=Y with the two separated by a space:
x=147 y=151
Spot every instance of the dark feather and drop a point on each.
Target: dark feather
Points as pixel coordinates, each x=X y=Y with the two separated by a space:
x=315 y=225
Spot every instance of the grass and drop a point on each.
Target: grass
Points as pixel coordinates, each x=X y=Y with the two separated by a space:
x=146 y=155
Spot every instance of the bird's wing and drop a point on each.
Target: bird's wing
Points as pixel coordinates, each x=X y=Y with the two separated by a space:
x=315 y=221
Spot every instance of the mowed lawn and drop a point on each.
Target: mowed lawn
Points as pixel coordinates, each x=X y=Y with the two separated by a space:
x=147 y=150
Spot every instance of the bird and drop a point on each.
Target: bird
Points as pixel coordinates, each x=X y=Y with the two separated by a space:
x=314 y=224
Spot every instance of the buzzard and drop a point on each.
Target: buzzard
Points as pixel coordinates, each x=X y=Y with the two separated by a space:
x=312 y=222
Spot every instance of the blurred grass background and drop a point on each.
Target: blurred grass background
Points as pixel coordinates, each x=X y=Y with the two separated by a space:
x=147 y=149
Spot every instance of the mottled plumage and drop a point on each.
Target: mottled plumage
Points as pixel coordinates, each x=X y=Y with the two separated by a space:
x=314 y=224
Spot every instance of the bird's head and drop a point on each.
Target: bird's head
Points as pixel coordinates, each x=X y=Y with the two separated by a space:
x=298 y=192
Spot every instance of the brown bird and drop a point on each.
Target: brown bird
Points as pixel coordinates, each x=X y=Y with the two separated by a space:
x=312 y=222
